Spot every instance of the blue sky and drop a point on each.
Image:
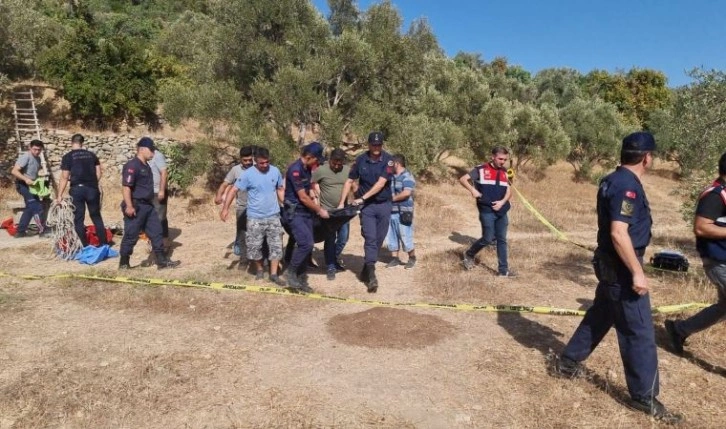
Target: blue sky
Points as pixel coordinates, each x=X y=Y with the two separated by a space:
x=671 y=36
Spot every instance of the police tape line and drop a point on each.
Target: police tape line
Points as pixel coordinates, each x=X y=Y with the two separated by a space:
x=562 y=236
x=559 y=234
x=282 y=291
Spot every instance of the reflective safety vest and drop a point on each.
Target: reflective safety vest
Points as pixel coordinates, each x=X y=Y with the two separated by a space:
x=713 y=249
x=492 y=184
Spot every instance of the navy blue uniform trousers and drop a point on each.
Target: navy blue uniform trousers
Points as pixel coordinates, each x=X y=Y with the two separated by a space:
x=146 y=220
x=375 y=219
x=301 y=227
x=617 y=304
x=86 y=195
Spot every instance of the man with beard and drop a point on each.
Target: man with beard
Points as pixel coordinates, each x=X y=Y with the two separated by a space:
x=265 y=191
x=489 y=185
x=328 y=183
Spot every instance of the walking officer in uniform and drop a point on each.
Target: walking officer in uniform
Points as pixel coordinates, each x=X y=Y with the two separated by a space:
x=373 y=170
x=299 y=210
x=489 y=185
x=82 y=168
x=621 y=297
x=138 y=207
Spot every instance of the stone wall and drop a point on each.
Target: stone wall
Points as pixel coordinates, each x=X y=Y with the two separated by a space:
x=112 y=150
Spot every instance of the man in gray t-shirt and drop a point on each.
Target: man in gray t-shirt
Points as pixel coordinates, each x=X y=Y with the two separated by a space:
x=25 y=171
x=246 y=161
x=158 y=167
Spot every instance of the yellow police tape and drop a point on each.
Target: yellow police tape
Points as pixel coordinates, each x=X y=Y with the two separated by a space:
x=280 y=291
x=559 y=234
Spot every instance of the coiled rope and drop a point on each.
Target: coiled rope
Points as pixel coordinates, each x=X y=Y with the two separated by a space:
x=66 y=243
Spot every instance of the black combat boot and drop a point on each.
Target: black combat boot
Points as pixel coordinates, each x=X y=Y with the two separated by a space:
x=372 y=283
x=293 y=281
x=163 y=261
x=363 y=276
x=123 y=263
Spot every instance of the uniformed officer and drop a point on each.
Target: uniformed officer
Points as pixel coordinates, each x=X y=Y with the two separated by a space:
x=300 y=209
x=709 y=226
x=621 y=298
x=373 y=170
x=489 y=185
x=83 y=169
x=138 y=207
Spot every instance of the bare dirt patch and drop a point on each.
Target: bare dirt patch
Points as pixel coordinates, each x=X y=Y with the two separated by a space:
x=389 y=328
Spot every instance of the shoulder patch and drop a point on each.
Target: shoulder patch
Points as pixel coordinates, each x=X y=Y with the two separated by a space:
x=295 y=173
x=630 y=194
x=390 y=163
x=627 y=208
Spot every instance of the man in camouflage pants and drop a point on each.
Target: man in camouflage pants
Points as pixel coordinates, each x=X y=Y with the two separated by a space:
x=265 y=189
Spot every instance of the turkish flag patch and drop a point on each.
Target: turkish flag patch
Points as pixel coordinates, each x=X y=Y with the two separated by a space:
x=630 y=194
x=295 y=173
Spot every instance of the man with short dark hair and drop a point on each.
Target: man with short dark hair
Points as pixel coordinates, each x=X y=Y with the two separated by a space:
x=489 y=185
x=328 y=182
x=621 y=298
x=246 y=160
x=300 y=209
x=265 y=191
x=400 y=231
x=25 y=171
x=82 y=169
x=709 y=227
x=373 y=171
x=138 y=207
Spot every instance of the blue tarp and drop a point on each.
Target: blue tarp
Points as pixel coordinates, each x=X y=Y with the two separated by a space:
x=92 y=255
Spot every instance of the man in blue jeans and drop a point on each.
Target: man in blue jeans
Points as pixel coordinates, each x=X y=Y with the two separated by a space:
x=82 y=169
x=400 y=232
x=25 y=171
x=328 y=183
x=489 y=184
x=710 y=229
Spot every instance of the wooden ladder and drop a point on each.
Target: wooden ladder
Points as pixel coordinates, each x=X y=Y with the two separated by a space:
x=26 y=121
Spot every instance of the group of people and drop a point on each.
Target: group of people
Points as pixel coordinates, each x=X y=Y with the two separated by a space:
x=378 y=185
x=313 y=191
x=144 y=180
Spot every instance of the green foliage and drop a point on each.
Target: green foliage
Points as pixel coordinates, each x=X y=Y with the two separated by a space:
x=422 y=140
x=539 y=135
x=103 y=78
x=344 y=15
x=595 y=129
x=693 y=131
x=187 y=161
x=636 y=93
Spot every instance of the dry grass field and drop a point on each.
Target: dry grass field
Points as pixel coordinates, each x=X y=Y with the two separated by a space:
x=83 y=354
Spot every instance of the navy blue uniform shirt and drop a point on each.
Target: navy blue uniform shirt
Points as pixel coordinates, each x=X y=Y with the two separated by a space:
x=621 y=198
x=137 y=175
x=367 y=171
x=297 y=177
x=82 y=167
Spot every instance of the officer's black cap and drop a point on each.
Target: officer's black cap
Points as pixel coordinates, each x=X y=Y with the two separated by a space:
x=375 y=138
x=146 y=142
x=639 y=142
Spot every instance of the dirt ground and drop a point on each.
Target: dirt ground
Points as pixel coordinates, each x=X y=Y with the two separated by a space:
x=84 y=354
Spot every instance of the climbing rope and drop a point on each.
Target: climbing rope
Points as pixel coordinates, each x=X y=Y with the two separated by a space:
x=66 y=243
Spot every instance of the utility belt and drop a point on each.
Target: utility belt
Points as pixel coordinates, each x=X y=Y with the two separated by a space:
x=83 y=185
x=608 y=264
